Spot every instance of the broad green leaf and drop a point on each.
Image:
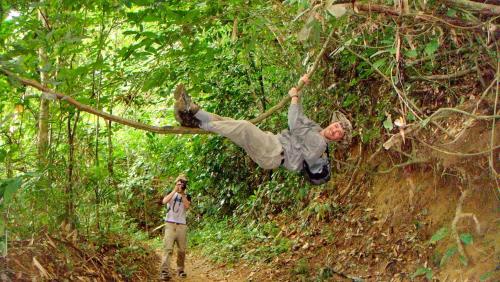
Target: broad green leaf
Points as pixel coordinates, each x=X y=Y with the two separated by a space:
x=440 y=234
x=410 y=116
x=447 y=255
x=431 y=47
x=466 y=238
x=451 y=13
x=388 y=124
x=11 y=186
x=429 y=275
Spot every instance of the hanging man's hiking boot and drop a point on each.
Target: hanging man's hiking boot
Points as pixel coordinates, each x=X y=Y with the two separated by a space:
x=184 y=108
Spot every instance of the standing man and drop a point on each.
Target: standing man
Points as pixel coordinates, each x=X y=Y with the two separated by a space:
x=178 y=203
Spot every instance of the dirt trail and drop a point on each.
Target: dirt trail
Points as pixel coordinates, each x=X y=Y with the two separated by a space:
x=200 y=269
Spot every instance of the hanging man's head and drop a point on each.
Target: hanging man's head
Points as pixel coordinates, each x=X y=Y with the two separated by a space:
x=339 y=130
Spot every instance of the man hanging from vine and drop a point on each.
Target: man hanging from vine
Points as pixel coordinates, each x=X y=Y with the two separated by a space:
x=303 y=147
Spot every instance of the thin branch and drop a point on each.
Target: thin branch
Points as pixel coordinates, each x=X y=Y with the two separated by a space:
x=107 y=116
x=457 y=153
x=449 y=21
x=492 y=140
x=439 y=55
x=464 y=113
x=444 y=76
x=410 y=162
x=459 y=215
x=482 y=8
x=164 y=129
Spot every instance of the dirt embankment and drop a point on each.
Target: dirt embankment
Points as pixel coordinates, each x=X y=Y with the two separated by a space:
x=438 y=218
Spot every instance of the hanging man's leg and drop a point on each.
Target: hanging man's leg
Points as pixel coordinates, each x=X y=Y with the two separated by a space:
x=184 y=108
x=262 y=147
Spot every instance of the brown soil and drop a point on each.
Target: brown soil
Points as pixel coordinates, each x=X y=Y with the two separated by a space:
x=68 y=256
x=199 y=269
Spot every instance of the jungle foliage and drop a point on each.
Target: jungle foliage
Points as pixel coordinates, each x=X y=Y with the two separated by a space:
x=387 y=66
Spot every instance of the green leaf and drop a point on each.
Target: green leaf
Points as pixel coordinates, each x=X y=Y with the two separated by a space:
x=429 y=275
x=388 y=124
x=349 y=100
x=451 y=13
x=421 y=271
x=485 y=276
x=3 y=154
x=410 y=116
x=431 y=47
x=440 y=234
x=466 y=238
x=463 y=260
x=9 y=187
x=425 y=122
x=447 y=255
x=411 y=54
x=379 y=63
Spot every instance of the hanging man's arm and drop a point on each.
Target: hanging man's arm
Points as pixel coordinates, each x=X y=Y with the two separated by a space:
x=295 y=109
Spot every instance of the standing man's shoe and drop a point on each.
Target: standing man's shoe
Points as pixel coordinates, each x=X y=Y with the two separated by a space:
x=184 y=108
x=182 y=274
x=165 y=276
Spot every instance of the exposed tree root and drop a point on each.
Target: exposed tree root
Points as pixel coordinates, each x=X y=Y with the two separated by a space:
x=459 y=215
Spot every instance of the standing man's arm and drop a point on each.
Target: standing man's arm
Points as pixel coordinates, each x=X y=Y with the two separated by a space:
x=169 y=197
x=185 y=201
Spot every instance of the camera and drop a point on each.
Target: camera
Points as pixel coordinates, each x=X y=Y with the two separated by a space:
x=183 y=185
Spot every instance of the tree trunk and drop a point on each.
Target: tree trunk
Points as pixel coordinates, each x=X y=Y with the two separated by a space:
x=70 y=208
x=261 y=82
x=43 y=119
x=97 y=184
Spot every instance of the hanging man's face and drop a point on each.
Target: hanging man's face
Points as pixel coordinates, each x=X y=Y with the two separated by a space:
x=334 y=132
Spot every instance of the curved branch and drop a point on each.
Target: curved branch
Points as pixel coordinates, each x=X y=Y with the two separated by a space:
x=104 y=115
x=157 y=129
x=300 y=85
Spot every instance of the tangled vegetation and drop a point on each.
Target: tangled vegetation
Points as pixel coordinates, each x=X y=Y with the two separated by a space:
x=418 y=79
